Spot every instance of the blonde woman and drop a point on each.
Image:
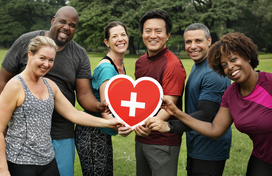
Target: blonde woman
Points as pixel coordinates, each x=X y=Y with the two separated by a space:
x=27 y=103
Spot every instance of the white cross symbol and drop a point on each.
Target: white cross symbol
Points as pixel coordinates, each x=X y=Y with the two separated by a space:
x=132 y=104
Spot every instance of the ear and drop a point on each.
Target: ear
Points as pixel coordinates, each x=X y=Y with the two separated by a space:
x=107 y=43
x=52 y=21
x=168 y=35
x=29 y=56
x=209 y=41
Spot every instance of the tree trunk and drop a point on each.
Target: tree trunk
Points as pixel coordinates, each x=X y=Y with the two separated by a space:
x=131 y=45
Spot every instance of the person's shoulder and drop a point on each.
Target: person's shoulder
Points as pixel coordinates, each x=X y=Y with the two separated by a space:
x=32 y=34
x=75 y=45
x=52 y=85
x=104 y=68
x=172 y=58
x=265 y=80
x=13 y=87
x=142 y=58
x=210 y=76
x=266 y=75
x=169 y=53
x=13 y=84
x=104 y=60
x=231 y=91
x=26 y=37
x=209 y=71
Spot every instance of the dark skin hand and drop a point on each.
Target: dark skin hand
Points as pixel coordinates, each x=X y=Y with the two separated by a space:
x=5 y=76
x=86 y=98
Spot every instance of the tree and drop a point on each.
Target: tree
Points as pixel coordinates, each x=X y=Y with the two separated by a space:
x=255 y=22
x=95 y=14
x=21 y=16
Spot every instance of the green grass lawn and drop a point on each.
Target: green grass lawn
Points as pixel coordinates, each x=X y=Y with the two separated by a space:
x=123 y=148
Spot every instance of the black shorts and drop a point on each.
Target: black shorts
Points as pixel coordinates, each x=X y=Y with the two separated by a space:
x=196 y=167
x=257 y=167
x=50 y=169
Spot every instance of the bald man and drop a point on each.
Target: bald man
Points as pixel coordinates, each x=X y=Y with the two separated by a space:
x=71 y=72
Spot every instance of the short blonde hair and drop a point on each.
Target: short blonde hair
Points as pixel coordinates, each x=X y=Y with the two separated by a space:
x=38 y=42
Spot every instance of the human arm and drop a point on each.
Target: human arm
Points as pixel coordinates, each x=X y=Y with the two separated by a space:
x=11 y=98
x=214 y=130
x=205 y=112
x=65 y=109
x=86 y=98
x=206 y=90
x=143 y=130
x=5 y=76
x=103 y=99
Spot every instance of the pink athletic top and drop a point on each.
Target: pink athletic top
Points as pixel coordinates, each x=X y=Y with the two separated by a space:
x=253 y=114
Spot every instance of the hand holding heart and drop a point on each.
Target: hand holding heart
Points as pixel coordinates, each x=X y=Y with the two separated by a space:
x=133 y=101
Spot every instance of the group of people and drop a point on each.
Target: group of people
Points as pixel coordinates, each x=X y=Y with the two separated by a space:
x=44 y=71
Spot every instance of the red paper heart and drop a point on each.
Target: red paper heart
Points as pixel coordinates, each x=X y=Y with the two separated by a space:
x=133 y=101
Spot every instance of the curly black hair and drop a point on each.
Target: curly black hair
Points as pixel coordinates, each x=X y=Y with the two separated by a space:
x=235 y=43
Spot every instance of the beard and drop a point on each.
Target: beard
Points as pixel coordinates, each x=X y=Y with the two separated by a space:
x=60 y=42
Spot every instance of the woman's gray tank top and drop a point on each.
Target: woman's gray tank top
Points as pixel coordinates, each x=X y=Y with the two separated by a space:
x=28 y=140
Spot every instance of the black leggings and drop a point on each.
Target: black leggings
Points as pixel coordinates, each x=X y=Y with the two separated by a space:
x=257 y=167
x=50 y=169
x=94 y=149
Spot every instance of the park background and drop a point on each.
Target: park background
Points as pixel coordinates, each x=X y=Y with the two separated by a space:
x=251 y=17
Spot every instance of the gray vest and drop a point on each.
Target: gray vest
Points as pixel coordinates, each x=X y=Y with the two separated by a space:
x=28 y=140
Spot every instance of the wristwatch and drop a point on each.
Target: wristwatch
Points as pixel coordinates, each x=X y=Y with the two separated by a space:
x=171 y=126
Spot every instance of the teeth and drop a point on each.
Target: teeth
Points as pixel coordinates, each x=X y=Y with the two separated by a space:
x=120 y=45
x=195 y=52
x=234 y=73
x=153 y=42
x=63 y=35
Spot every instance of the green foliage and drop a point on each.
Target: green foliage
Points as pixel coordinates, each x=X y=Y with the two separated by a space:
x=254 y=21
x=96 y=14
x=21 y=16
x=252 y=17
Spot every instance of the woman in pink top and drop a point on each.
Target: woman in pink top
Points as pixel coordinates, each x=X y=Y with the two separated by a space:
x=247 y=102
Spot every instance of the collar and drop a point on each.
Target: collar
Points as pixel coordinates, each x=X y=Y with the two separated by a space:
x=162 y=52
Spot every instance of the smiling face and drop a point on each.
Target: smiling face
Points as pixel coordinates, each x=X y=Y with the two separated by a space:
x=154 y=35
x=197 y=45
x=63 y=26
x=237 y=68
x=118 y=40
x=42 y=62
